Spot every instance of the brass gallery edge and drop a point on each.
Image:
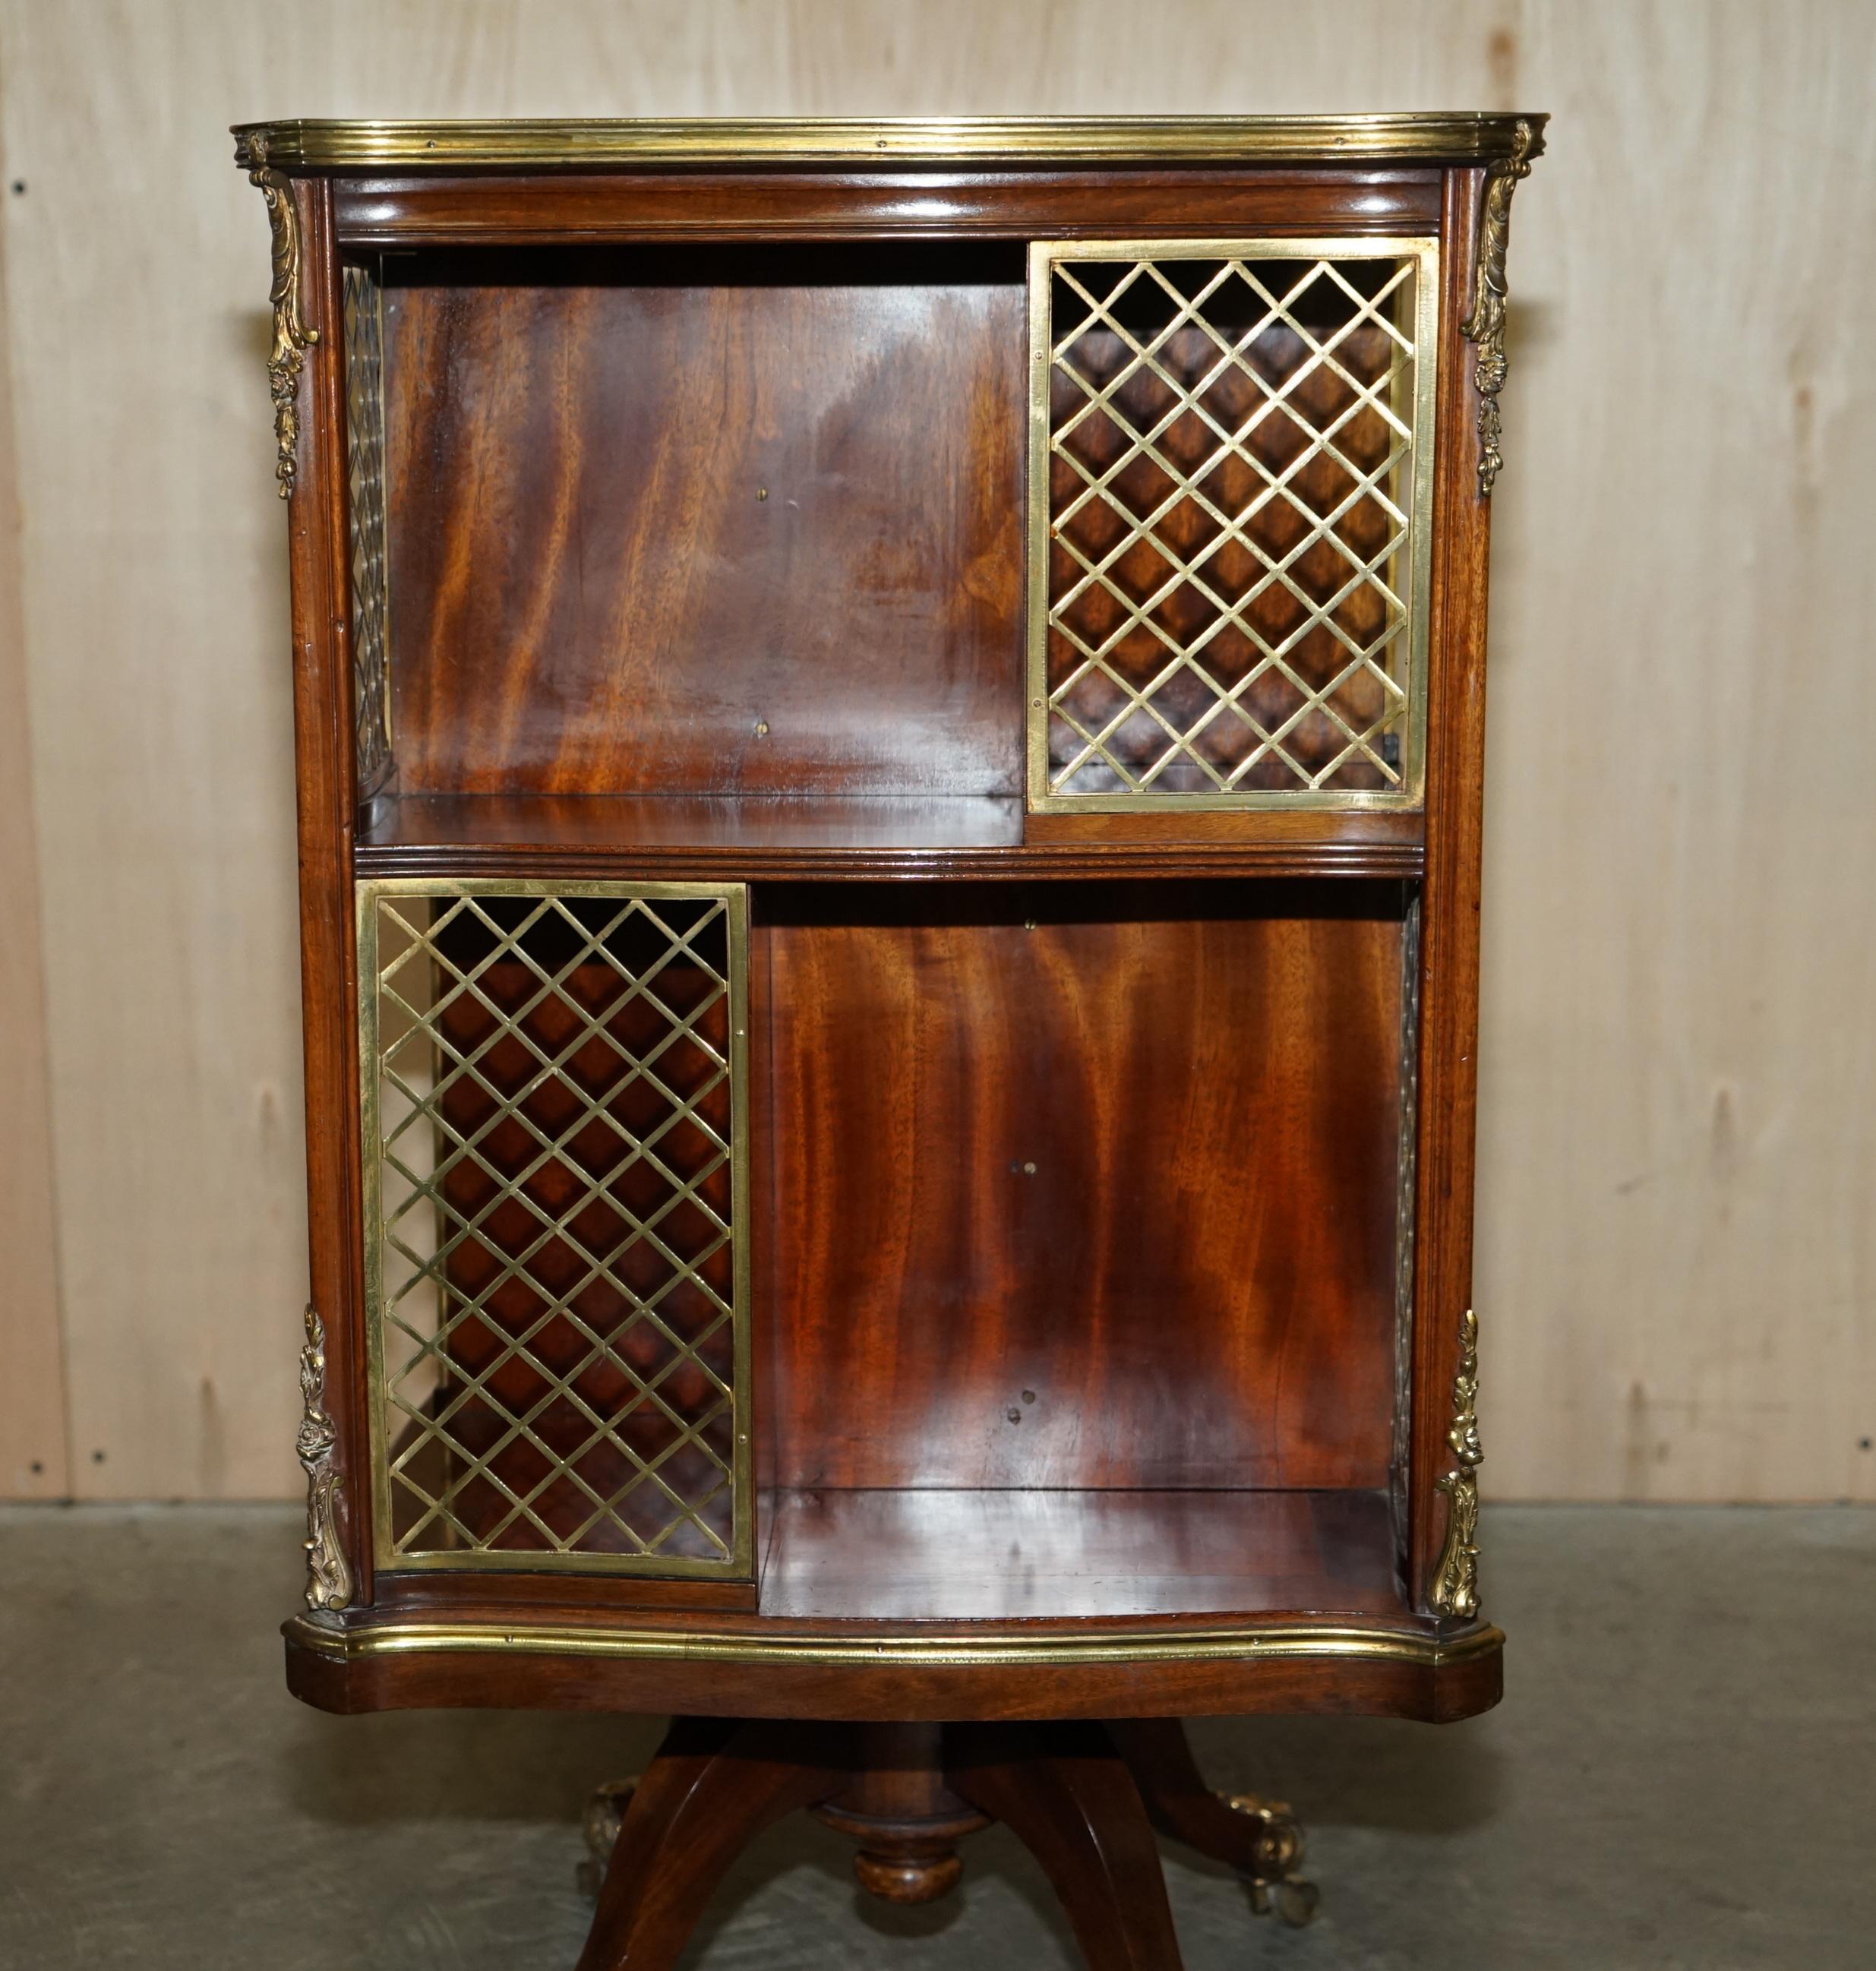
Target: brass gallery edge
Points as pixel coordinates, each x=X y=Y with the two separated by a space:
x=314 y=145
x=891 y=1649
x=292 y=337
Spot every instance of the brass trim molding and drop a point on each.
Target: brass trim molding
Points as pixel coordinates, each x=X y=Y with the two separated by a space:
x=328 y=1578
x=1485 y=325
x=292 y=337
x=318 y=145
x=1456 y=1586
x=893 y=1649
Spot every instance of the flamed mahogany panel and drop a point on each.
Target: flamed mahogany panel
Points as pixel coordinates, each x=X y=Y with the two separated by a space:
x=703 y=522
x=1082 y=1186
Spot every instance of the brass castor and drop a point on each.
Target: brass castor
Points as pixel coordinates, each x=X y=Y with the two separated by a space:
x=605 y=1813
x=1276 y=1852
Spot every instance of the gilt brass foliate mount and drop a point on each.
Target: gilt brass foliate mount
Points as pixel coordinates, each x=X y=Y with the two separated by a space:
x=292 y=337
x=1485 y=326
x=328 y=1578
x=1456 y=1586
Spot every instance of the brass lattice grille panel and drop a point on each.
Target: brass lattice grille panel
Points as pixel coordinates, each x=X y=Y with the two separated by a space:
x=556 y=1267
x=1230 y=470
x=364 y=452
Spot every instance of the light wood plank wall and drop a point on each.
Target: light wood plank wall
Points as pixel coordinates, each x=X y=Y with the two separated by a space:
x=1676 y=1276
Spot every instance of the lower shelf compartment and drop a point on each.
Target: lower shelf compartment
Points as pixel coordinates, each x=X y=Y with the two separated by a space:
x=907 y=1556
x=892 y=1606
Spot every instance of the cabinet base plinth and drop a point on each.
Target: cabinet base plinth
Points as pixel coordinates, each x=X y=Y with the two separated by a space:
x=748 y=1665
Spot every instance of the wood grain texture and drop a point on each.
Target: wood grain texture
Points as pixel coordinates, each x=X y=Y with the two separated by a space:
x=860 y=1685
x=1675 y=1255
x=1018 y=1557
x=1447 y=1088
x=1067 y=1796
x=34 y=1448
x=397 y=213
x=1082 y=1186
x=741 y=520
x=322 y=724
x=708 y=1794
x=858 y=840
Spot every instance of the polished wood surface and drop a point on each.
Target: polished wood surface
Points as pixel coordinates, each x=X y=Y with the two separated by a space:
x=907 y=1822
x=399 y=213
x=1087 y=1186
x=741 y=522
x=1178 y=1676
x=1258 y=1838
x=710 y=1791
x=1449 y=1020
x=1083 y=1798
x=865 y=838
x=323 y=736
x=1092 y=1556
x=1066 y=1793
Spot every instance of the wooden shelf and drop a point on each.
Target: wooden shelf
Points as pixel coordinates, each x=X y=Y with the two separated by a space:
x=866 y=837
x=1015 y=1556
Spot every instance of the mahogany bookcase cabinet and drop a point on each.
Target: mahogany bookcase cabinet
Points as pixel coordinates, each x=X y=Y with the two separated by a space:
x=889 y=725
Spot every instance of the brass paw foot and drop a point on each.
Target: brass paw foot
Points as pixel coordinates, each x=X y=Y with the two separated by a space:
x=1276 y=1849
x=605 y=1813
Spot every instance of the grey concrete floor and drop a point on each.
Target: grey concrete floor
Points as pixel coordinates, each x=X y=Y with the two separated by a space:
x=1682 y=1775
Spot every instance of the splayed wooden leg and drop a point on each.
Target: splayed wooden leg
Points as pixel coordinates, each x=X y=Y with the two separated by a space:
x=1066 y=1793
x=715 y=1785
x=1258 y=1838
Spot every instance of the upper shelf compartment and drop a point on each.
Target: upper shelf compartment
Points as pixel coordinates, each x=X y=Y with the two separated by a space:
x=714 y=527
x=704 y=521
x=1230 y=471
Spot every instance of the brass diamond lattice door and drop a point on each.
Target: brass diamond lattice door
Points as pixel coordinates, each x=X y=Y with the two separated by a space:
x=1230 y=474
x=556 y=1263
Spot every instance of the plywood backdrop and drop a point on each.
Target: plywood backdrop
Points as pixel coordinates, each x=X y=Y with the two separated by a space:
x=1676 y=1275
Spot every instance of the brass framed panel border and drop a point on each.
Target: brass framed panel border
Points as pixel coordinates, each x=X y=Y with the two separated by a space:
x=739 y=1564
x=1423 y=251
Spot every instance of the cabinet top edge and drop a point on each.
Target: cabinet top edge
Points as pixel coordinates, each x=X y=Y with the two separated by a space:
x=314 y=145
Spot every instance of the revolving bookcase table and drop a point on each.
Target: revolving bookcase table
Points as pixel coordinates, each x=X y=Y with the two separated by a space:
x=889 y=727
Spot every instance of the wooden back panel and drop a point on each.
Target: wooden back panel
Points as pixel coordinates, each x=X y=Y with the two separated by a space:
x=1087 y=1184
x=707 y=521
